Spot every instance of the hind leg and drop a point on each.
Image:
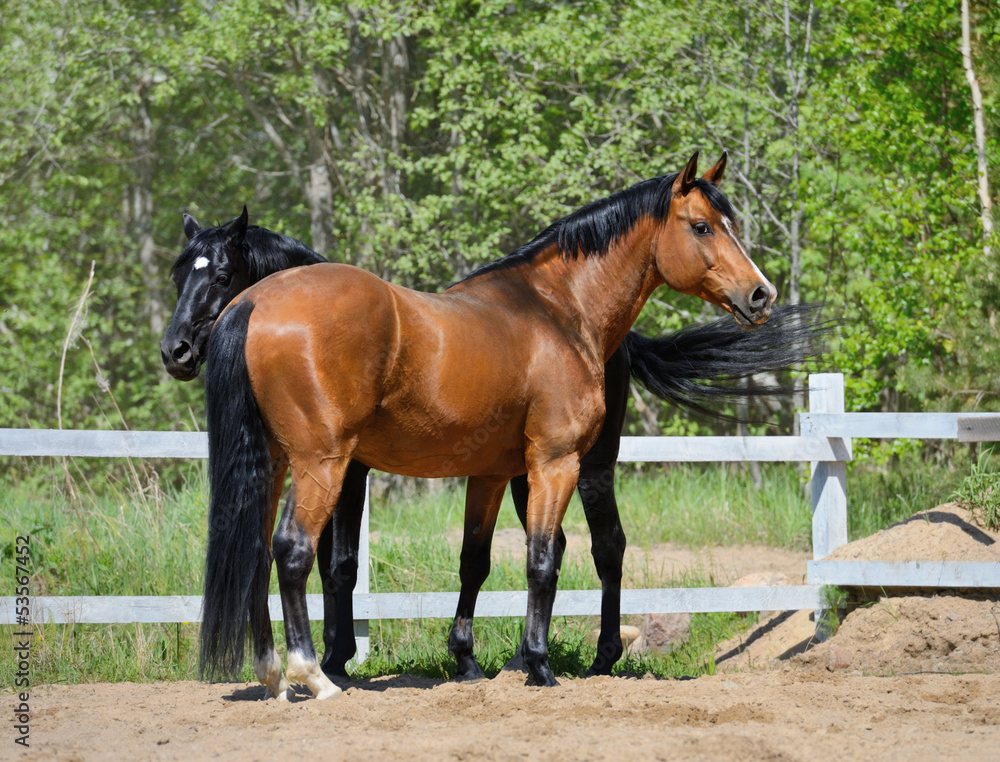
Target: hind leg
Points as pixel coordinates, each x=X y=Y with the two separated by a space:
x=337 y=556
x=597 y=492
x=317 y=486
x=482 y=503
x=266 y=662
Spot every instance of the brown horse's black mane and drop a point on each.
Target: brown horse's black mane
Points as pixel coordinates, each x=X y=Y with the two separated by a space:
x=263 y=250
x=592 y=229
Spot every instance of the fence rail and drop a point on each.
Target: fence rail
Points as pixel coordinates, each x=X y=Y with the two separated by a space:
x=824 y=441
x=193 y=444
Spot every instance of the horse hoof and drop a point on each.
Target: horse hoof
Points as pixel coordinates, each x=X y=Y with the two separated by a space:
x=327 y=693
x=544 y=679
x=516 y=664
x=283 y=697
x=473 y=674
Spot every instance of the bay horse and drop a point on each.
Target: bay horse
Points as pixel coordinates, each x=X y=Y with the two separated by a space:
x=316 y=368
x=689 y=368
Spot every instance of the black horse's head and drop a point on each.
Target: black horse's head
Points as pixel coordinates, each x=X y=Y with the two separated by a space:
x=209 y=273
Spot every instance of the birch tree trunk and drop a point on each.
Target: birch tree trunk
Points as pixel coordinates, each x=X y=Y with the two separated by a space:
x=983 y=186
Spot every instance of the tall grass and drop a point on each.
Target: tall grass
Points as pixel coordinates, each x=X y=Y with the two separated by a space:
x=132 y=538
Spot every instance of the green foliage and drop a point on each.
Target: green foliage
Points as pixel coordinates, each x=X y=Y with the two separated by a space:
x=901 y=227
x=421 y=140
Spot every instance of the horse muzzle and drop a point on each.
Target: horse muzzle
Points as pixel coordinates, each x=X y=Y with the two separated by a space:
x=754 y=307
x=180 y=359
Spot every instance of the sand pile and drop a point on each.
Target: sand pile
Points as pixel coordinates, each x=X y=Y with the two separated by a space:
x=901 y=633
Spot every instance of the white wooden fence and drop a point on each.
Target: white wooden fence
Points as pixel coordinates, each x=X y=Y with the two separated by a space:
x=824 y=441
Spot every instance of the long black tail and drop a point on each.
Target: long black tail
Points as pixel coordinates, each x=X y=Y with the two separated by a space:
x=700 y=365
x=238 y=562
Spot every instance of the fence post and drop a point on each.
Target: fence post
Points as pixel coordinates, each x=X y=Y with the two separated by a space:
x=361 y=631
x=829 y=482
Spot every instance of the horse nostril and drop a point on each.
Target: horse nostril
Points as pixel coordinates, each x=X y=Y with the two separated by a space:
x=182 y=352
x=759 y=297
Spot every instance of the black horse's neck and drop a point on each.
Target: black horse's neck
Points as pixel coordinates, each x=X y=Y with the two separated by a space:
x=267 y=252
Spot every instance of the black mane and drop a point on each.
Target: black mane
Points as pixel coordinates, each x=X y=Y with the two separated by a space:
x=592 y=229
x=263 y=250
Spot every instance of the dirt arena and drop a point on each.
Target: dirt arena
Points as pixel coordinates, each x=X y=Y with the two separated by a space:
x=914 y=676
x=775 y=715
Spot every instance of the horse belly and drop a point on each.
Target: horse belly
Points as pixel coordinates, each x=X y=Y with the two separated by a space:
x=418 y=442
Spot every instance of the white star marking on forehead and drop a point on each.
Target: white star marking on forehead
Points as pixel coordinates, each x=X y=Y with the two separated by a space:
x=200 y=262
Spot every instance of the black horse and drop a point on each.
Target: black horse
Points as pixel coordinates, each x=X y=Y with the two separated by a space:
x=691 y=368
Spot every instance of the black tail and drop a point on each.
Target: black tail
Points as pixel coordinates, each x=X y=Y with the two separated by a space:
x=701 y=364
x=238 y=562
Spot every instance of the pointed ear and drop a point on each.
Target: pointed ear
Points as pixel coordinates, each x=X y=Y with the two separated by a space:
x=686 y=177
x=237 y=228
x=191 y=226
x=714 y=175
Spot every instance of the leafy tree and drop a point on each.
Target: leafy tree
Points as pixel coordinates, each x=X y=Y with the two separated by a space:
x=420 y=140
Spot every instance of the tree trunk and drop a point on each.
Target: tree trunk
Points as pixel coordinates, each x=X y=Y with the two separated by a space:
x=983 y=187
x=358 y=63
x=795 y=77
x=142 y=209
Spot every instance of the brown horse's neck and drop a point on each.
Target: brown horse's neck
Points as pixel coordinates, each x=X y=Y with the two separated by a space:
x=600 y=295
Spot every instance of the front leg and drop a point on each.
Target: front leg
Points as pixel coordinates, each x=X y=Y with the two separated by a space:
x=551 y=485
x=482 y=504
x=519 y=494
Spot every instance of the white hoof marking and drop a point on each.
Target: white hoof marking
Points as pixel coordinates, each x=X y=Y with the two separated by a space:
x=268 y=671
x=305 y=670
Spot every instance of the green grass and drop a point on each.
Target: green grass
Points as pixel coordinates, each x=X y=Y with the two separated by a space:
x=690 y=505
x=979 y=491
x=132 y=538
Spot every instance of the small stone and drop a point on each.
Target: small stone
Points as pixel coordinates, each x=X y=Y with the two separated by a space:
x=838 y=658
x=628 y=634
x=662 y=633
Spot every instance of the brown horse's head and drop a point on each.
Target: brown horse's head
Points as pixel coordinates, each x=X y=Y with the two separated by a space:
x=698 y=249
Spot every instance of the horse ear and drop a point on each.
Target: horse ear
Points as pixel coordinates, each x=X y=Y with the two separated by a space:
x=686 y=177
x=714 y=175
x=238 y=228
x=191 y=226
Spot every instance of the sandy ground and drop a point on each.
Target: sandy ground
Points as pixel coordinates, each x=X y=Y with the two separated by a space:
x=775 y=715
x=914 y=676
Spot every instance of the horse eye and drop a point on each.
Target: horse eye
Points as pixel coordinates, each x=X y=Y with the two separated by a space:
x=702 y=228
x=222 y=279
